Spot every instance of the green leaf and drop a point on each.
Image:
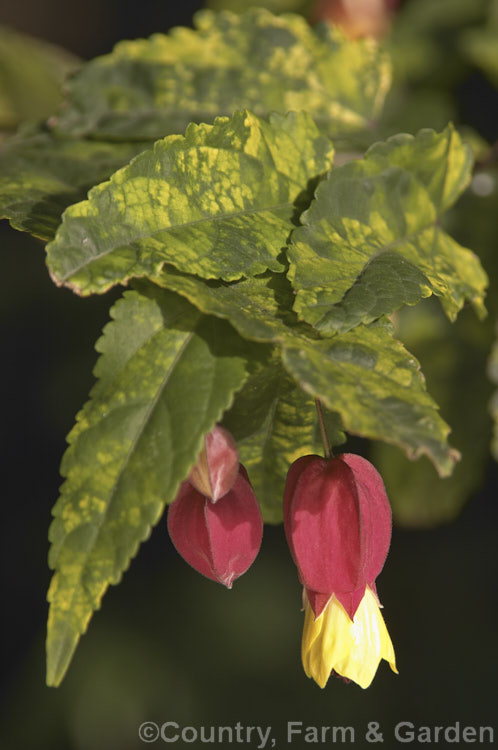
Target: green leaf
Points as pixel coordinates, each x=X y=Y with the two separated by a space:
x=387 y=282
x=374 y=225
x=166 y=375
x=454 y=359
x=40 y=175
x=364 y=375
x=31 y=76
x=375 y=385
x=441 y=162
x=155 y=87
x=258 y=308
x=218 y=203
x=274 y=423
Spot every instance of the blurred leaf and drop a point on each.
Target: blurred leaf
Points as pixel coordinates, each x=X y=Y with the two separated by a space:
x=152 y=88
x=426 y=15
x=31 y=75
x=493 y=375
x=274 y=6
x=218 y=202
x=165 y=377
x=454 y=359
x=274 y=423
x=475 y=221
x=410 y=109
x=375 y=385
x=41 y=174
x=371 y=240
x=481 y=46
x=424 y=44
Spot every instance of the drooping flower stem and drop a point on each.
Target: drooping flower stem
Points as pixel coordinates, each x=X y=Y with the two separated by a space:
x=327 y=450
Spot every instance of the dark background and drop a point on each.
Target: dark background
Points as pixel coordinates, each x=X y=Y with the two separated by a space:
x=168 y=644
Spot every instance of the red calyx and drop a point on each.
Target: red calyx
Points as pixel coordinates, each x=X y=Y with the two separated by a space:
x=220 y=540
x=338 y=525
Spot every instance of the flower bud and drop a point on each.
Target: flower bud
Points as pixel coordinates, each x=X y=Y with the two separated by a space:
x=220 y=540
x=216 y=469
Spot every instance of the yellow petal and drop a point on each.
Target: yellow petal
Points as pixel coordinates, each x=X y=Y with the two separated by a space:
x=352 y=649
x=371 y=643
x=326 y=640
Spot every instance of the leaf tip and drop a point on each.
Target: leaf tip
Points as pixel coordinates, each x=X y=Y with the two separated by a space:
x=61 y=645
x=445 y=464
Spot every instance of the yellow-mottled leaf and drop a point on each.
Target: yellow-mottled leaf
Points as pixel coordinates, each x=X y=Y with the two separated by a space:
x=363 y=375
x=41 y=174
x=165 y=377
x=219 y=203
x=372 y=240
x=375 y=385
x=155 y=87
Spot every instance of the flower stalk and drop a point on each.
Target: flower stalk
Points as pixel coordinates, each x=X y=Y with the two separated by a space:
x=327 y=450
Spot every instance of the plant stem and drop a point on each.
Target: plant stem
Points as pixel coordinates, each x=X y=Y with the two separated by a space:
x=323 y=431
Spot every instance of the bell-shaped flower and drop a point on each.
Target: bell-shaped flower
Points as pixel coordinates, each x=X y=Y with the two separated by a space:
x=217 y=466
x=333 y=643
x=338 y=525
x=219 y=539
